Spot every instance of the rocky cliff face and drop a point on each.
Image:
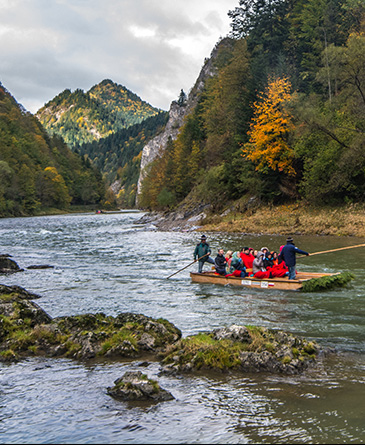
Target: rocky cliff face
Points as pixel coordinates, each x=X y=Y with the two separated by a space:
x=177 y=113
x=157 y=145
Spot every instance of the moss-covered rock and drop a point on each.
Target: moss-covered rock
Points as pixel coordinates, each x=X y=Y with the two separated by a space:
x=135 y=386
x=25 y=329
x=241 y=348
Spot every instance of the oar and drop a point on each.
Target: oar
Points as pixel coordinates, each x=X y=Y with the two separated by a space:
x=332 y=250
x=187 y=266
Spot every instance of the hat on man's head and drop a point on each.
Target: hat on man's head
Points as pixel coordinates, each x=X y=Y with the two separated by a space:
x=203 y=237
x=289 y=239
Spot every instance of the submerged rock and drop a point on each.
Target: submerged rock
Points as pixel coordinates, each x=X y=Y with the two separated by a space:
x=8 y=265
x=135 y=386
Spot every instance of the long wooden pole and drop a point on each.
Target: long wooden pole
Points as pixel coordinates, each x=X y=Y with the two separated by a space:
x=332 y=250
x=187 y=266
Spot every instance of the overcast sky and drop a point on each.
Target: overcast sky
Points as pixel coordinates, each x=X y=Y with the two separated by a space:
x=152 y=47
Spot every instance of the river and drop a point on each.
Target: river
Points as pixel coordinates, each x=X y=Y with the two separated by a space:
x=110 y=263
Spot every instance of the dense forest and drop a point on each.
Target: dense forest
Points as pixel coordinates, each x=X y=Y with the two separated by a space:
x=80 y=117
x=40 y=172
x=284 y=118
x=118 y=156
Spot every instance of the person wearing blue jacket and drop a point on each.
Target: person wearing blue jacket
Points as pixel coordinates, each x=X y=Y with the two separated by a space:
x=288 y=255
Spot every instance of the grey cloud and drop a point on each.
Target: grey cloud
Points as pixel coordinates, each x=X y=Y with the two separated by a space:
x=48 y=46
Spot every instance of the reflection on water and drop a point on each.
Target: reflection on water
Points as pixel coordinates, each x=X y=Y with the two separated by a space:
x=109 y=263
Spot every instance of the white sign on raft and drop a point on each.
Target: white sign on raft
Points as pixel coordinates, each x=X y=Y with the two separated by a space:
x=263 y=284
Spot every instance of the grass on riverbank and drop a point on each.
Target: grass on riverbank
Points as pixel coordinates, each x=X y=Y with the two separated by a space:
x=295 y=219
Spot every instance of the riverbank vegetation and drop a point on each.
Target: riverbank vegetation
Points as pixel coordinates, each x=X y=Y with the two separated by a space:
x=283 y=120
x=290 y=219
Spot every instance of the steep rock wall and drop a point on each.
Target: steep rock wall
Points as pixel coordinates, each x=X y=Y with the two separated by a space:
x=177 y=114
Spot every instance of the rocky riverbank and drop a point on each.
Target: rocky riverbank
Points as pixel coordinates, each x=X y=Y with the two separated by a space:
x=255 y=218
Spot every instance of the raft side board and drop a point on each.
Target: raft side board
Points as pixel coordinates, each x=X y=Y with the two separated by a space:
x=257 y=283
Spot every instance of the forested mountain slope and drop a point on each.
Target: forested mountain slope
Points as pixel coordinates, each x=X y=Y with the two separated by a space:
x=282 y=120
x=118 y=156
x=81 y=117
x=38 y=171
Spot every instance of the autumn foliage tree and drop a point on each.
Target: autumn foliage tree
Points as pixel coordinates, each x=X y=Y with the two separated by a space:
x=268 y=146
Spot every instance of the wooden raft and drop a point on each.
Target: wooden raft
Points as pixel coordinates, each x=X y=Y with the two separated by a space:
x=257 y=283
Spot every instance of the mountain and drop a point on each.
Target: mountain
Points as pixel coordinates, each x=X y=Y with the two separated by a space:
x=118 y=156
x=38 y=171
x=81 y=117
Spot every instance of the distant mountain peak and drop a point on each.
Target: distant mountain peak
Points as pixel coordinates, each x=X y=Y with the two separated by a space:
x=81 y=116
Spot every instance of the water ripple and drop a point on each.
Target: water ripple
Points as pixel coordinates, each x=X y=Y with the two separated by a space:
x=108 y=263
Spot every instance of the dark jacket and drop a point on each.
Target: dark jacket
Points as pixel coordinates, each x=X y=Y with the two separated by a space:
x=268 y=262
x=200 y=250
x=288 y=253
x=220 y=262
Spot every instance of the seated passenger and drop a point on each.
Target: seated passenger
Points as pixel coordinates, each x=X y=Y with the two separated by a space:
x=278 y=269
x=220 y=263
x=258 y=268
x=258 y=263
x=237 y=268
x=268 y=262
x=229 y=254
x=275 y=258
x=247 y=258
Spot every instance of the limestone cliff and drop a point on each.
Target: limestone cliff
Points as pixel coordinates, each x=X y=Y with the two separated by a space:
x=177 y=113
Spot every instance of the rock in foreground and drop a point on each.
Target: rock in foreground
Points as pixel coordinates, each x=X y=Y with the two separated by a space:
x=242 y=349
x=137 y=386
x=25 y=329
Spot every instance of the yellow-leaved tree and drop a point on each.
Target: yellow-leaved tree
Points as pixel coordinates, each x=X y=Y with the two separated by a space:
x=52 y=188
x=271 y=125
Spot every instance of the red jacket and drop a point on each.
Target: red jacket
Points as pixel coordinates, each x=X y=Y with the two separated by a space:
x=247 y=259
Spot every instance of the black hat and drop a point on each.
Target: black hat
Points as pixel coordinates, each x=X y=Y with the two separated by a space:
x=289 y=240
x=203 y=237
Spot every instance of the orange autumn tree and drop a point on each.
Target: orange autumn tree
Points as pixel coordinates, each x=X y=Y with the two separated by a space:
x=271 y=125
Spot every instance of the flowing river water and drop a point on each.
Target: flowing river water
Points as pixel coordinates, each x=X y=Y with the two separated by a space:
x=110 y=263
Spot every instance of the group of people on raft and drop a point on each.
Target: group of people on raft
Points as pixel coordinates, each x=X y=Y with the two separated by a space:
x=249 y=262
